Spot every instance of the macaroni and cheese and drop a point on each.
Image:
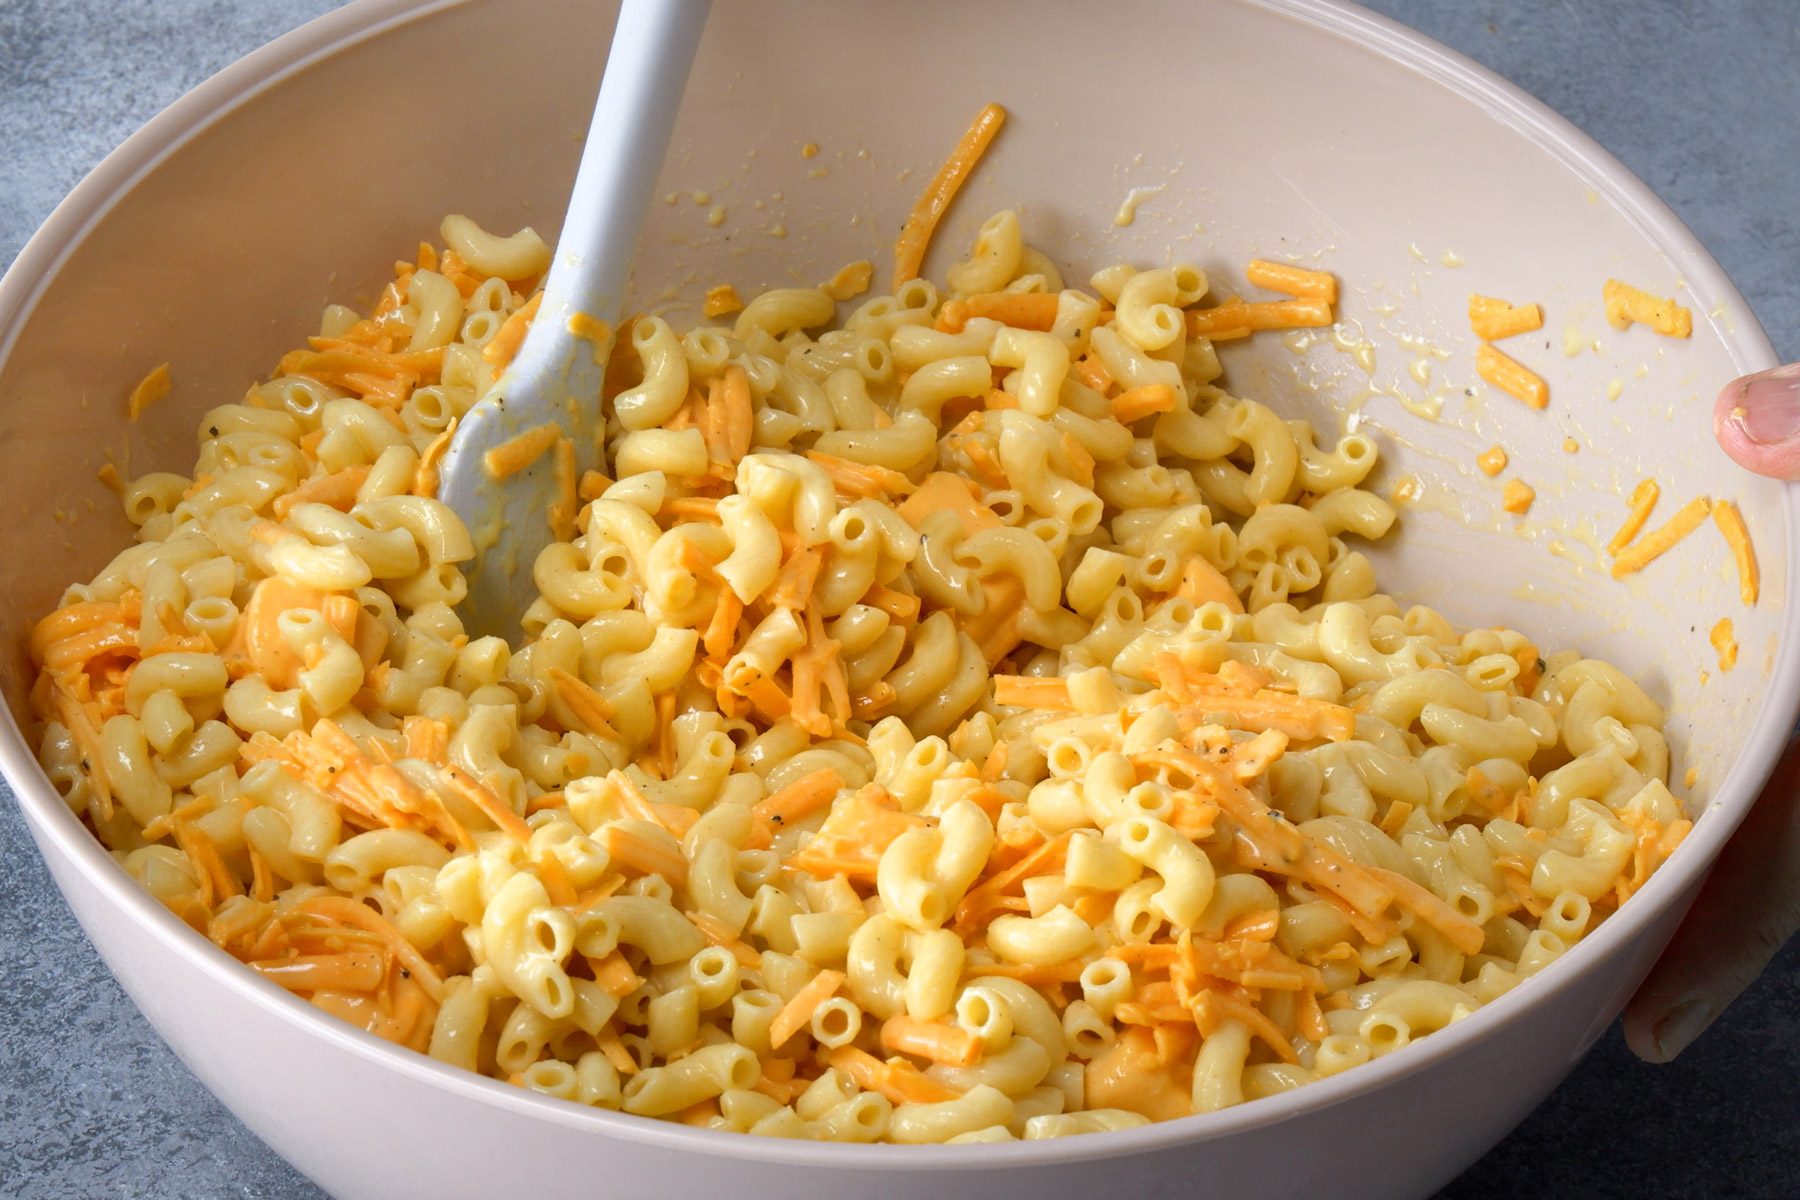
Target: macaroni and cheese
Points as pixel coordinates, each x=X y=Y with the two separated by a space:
x=961 y=721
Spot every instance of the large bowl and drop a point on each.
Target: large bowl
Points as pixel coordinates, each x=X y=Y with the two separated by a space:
x=1289 y=128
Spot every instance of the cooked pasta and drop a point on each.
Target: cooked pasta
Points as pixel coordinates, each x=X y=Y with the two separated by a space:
x=961 y=721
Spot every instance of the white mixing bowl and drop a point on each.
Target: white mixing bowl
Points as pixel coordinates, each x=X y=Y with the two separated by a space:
x=1284 y=128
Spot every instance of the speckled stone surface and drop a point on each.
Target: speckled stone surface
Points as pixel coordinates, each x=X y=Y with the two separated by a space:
x=1701 y=99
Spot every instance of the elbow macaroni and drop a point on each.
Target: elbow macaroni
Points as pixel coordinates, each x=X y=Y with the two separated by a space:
x=978 y=676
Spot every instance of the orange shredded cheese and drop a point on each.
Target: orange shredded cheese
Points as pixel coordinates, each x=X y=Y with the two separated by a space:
x=1032 y=691
x=795 y=802
x=1236 y=318
x=1626 y=304
x=1511 y=376
x=1493 y=319
x=504 y=345
x=635 y=852
x=584 y=703
x=347 y=912
x=898 y=1079
x=922 y=222
x=567 y=503
x=149 y=390
x=982 y=900
x=1725 y=642
x=1642 y=502
x=721 y=300
x=1021 y=310
x=1659 y=541
x=794 y=1015
x=511 y=457
x=338 y=490
x=491 y=806
x=1730 y=521
x=591 y=486
x=1136 y=403
x=716 y=931
x=851 y=280
x=613 y=1046
x=593 y=331
x=1517 y=497
x=1295 y=281
x=1203 y=583
x=1492 y=461
x=861 y=480
x=934 y=1041
x=425 y=478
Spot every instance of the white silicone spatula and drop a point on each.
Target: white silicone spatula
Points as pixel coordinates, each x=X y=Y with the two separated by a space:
x=557 y=374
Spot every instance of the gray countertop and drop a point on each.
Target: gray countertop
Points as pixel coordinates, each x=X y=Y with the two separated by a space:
x=1700 y=98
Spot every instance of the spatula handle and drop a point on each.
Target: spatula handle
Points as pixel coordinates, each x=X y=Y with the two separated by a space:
x=647 y=69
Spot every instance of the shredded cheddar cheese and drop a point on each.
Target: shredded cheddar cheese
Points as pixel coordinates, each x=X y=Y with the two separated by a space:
x=1021 y=310
x=1659 y=541
x=721 y=300
x=509 y=458
x=851 y=280
x=1295 y=281
x=799 y=1010
x=1493 y=319
x=151 y=388
x=1730 y=521
x=504 y=345
x=1236 y=318
x=1643 y=500
x=915 y=238
x=591 y=485
x=1725 y=642
x=897 y=1079
x=593 y=331
x=1511 y=376
x=1492 y=461
x=1517 y=497
x=1134 y=404
x=1626 y=304
x=933 y=1041
x=567 y=504
x=425 y=477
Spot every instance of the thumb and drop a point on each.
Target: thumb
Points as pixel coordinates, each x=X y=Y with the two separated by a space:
x=1757 y=421
x=1746 y=909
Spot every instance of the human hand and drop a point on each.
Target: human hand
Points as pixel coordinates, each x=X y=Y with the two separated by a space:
x=1750 y=904
x=1757 y=421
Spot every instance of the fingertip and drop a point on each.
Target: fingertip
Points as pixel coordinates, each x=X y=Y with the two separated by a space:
x=1754 y=422
x=1740 y=447
x=1639 y=1019
x=1637 y=1027
x=1728 y=406
x=1658 y=1033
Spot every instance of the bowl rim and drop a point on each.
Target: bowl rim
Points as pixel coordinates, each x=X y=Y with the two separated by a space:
x=110 y=182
